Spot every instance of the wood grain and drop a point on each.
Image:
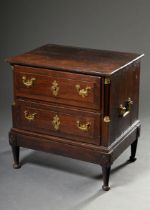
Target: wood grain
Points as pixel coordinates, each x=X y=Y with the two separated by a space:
x=67 y=94
x=68 y=118
x=76 y=59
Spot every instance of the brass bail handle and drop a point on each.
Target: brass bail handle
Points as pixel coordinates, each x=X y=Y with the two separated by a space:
x=125 y=110
x=82 y=92
x=83 y=126
x=28 y=82
x=29 y=116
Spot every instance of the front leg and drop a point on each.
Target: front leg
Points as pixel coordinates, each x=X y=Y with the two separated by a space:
x=15 y=151
x=133 y=151
x=106 y=174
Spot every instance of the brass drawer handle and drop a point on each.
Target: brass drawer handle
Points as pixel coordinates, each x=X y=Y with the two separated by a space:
x=125 y=110
x=55 y=88
x=82 y=126
x=28 y=82
x=56 y=122
x=82 y=92
x=29 y=116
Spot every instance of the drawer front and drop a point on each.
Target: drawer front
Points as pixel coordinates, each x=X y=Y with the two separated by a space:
x=51 y=120
x=57 y=87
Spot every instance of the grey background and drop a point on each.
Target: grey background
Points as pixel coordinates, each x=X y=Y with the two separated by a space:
x=47 y=181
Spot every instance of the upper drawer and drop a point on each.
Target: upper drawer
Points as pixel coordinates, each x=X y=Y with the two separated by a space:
x=58 y=87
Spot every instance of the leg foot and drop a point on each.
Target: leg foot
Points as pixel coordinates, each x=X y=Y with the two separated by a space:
x=132 y=159
x=16 y=166
x=105 y=188
x=106 y=174
x=133 y=151
x=15 y=151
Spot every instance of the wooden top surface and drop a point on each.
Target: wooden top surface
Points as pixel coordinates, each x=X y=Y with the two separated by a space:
x=75 y=59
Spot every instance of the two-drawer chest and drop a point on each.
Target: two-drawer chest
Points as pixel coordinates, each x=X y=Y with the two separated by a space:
x=76 y=102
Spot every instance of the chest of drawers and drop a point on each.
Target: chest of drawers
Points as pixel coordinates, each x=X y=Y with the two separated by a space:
x=76 y=102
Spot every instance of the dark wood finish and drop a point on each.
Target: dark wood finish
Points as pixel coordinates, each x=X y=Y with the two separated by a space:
x=106 y=174
x=15 y=152
x=102 y=132
x=68 y=121
x=67 y=94
x=124 y=84
x=76 y=59
x=133 y=151
x=73 y=149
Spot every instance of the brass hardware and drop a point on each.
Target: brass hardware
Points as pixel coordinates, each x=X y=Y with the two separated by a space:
x=107 y=119
x=83 y=127
x=29 y=116
x=55 y=88
x=83 y=92
x=28 y=82
x=56 y=122
x=125 y=110
x=14 y=103
x=107 y=81
x=12 y=67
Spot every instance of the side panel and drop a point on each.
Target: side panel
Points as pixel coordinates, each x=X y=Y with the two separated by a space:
x=124 y=85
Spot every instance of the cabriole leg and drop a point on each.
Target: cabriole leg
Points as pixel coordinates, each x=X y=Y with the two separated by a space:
x=106 y=174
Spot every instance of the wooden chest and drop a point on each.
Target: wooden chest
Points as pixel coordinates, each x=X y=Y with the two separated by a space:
x=76 y=102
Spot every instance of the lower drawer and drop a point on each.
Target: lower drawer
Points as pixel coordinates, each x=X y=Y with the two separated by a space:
x=73 y=124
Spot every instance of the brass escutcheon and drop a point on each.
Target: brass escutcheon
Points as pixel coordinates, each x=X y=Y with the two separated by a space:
x=56 y=122
x=55 y=88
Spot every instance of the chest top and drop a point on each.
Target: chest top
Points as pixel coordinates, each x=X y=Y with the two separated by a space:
x=75 y=59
